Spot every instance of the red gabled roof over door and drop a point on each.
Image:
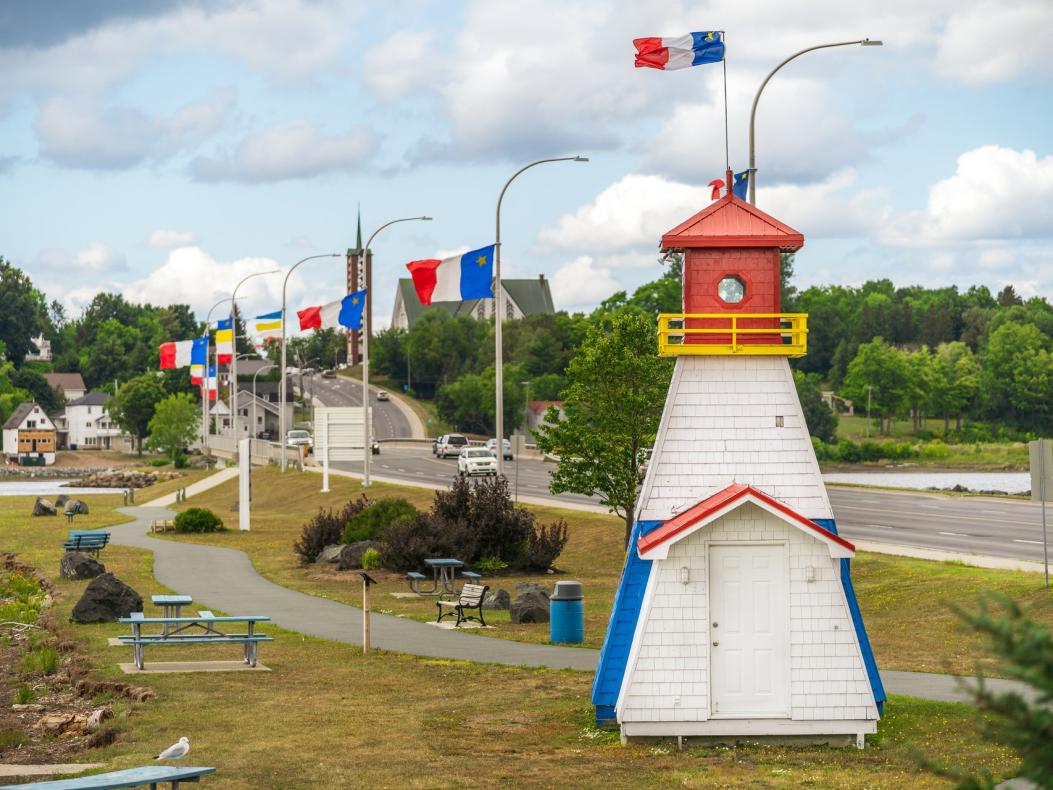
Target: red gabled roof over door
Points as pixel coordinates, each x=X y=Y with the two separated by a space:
x=730 y=222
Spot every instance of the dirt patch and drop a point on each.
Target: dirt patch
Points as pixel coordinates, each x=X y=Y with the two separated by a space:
x=86 y=459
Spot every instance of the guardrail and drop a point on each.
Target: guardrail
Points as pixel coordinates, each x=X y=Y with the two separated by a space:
x=731 y=334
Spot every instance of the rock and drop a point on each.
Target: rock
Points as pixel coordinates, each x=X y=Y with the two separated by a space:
x=77 y=506
x=78 y=565
x=31 y=707
x=105 y=600
x=530 y=604
x=498 y=599
x=351 y=554
x=95 y=719
x=42 y=507
x=64 y=725
x=330 y=553
x=61 y=500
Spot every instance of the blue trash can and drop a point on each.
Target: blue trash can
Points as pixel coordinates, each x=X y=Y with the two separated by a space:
x=566 y=616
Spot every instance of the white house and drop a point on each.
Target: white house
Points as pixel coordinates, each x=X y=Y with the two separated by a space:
x=522 y=298
x=29 y=434
x=735 y=616
x=69 y=385
x=88 y=423
x=42 y=352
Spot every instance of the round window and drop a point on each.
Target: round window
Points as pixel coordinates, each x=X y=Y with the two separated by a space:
x=731 y=290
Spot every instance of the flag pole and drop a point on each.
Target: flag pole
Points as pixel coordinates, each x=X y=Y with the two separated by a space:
x=724 y=62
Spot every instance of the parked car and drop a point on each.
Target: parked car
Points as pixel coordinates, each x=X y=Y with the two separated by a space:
x=299 y=438
x=435 y=445
x=491 y=445
x=328 y=374
x=383 y=395
x=476 y=461
x=451 y=445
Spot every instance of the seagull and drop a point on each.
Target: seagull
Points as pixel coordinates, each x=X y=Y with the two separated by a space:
x=176 y=750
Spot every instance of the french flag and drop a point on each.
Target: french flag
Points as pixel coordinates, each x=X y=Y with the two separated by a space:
x=468 y=276
x=667 y=54
x=176 y=355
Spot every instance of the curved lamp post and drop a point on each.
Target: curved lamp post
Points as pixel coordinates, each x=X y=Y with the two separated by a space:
x=866 y=42
x=281 y=379
x=234 y=356
x=499 y=309
x=367 y=421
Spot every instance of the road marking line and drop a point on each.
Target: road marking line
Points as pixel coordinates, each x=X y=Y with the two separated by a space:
x=400 y=470
x=954 y=534
x=1033 y=542
x=878 y=526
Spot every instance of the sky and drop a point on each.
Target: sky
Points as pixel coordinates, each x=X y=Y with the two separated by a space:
x=165 y=150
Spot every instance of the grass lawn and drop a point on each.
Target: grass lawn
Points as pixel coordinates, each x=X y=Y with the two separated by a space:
x=904 y=601
x=327 y=716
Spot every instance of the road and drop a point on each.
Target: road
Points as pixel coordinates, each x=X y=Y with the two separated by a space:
x=974 y=525
x=388 y=420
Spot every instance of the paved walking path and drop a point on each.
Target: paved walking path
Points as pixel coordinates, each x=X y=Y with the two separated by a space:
x=225 y=579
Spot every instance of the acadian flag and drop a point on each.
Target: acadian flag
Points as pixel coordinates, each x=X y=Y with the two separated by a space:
x=177 y=354
x=198 y=358
x=346 y=312
x=224 y=341
x=740 y=184
x=468 y=276
x=212 y=384
x=268 y=322
x=667 y=54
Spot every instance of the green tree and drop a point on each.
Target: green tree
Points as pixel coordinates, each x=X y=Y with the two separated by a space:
x=470 y=402
x=820 y=418
x=613 y=402
x=174 y=424
x=1018 y=375
x=920 y=383
x=955 y=381
x=22 y=316
x=133 y=406
x=880 y=370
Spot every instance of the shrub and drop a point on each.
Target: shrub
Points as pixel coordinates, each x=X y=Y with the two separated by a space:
x=490 y=565
x=12 y=739
x=405 y=545
x=198 y=519
x=180 y=462
x=370 y=560
x=158 y=462
x=545 y=544
x=368 y=523
x=24 y=695
x=326 y=528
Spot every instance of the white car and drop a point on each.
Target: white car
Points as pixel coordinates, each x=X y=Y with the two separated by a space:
x=299 y=438
x=476 y=461
x=382 y=395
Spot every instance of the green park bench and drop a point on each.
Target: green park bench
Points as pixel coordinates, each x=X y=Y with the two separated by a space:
x=150 y=775
x=88 y=540
x=200 y=630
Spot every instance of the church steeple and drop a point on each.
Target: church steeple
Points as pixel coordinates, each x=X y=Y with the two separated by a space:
x=358 y=235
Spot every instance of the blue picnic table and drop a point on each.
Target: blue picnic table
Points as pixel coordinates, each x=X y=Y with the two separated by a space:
x=171 y=605
x=201 y=630
x=130 y=777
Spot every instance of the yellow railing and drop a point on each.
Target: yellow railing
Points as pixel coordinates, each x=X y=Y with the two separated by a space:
x=786 y=336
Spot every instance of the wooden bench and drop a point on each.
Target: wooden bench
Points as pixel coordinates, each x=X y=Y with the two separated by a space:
x=180 y=631
x=86 y=540
x=130 y=777
x=162 y=525
x=471 y=597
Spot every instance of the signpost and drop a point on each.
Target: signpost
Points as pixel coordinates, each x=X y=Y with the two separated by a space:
x=244 y=483
x=367 y=580
x=1041 y=457
x=341 y=434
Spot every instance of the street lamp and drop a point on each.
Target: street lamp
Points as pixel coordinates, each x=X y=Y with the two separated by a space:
x=367 y=323
x=205 y=389
x=254 y=375
x=234 y=346
x=499 y=307
x=866 y=42
x=281 y=380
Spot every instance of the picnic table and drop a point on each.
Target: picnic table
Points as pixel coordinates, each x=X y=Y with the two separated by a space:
x=205 y=629
x=172 y=605
x=130 y=777
x=443 y=570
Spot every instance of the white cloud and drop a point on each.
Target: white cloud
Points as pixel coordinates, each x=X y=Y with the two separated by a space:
x=296 y=149
x=96 y=258
x=827 y=209
x=170 y=238
x=995 y=193
x=995 y=41
x=77 y=132
x=396 y=66
x=580 y=284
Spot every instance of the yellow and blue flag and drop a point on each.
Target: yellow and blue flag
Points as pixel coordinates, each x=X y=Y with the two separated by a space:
x=740 y=184
x=268 y=322
x=351 y=310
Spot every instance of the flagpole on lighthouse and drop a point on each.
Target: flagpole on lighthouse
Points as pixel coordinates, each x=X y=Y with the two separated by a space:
x=367 y=324
x=281 y=380
x=499 y=312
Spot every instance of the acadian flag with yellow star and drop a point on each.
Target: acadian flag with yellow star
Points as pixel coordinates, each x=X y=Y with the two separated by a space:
x=346 y=312
x=468 y=276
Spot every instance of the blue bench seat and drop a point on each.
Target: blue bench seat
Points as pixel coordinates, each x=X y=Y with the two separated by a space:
x=130 y=777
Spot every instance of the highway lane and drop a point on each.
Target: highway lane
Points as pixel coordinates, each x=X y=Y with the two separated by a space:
x=974 y=525
x=388 y=420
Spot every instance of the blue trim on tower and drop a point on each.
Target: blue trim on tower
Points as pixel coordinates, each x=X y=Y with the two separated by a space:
x=622 y=626
x=857 y=621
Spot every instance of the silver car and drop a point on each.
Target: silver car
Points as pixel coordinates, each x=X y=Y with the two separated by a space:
x=476 y=461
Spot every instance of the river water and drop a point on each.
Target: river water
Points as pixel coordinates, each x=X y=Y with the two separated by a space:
x=1010 y=482
x=49 y=488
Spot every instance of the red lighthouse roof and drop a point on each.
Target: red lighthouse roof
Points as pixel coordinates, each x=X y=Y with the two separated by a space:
x=730 y=222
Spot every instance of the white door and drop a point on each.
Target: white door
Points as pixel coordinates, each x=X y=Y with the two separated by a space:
x=749 y=631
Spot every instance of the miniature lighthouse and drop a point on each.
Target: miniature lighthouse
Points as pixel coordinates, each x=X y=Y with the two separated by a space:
x=735 y=616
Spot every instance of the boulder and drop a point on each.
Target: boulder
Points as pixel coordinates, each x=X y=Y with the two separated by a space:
x=61 y=500
x=106 y=599
x=78 y=565
x=351 y=555
x=530 y=604
x=43 y=507
x=498 y=599
x=330 y=553
x=77 y=506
